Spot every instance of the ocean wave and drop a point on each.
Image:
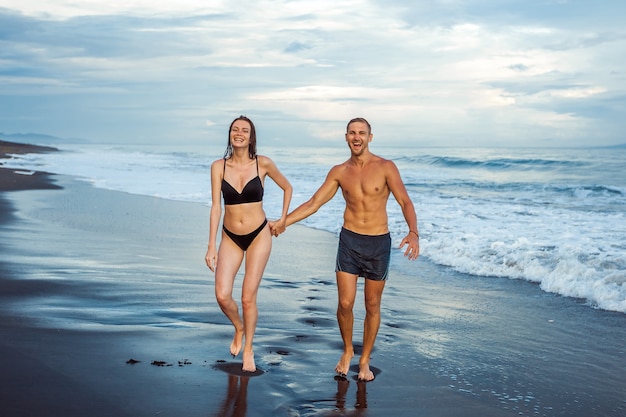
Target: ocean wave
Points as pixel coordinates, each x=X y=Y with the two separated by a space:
x=562 y=227
x=490 y=162
x=569 y=270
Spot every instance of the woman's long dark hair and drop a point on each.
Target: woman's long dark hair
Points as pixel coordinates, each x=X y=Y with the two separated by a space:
x=251 y=146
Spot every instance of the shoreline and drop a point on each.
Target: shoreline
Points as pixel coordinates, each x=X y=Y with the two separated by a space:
x=94 y=278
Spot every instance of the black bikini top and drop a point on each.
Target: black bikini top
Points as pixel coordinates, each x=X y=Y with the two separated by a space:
x=252 y=192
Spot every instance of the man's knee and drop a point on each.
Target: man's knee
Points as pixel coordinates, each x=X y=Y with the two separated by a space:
x=372 y=306
x=372 y=302
x=345 y=305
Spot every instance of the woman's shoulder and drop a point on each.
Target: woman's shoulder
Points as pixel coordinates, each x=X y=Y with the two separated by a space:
x=218 y=163
x=264 y=160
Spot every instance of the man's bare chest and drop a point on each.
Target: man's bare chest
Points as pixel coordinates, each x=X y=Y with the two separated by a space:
x=363 y=187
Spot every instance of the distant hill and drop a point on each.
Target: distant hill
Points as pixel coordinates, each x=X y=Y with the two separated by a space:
x=29 y=138
x=35 y=138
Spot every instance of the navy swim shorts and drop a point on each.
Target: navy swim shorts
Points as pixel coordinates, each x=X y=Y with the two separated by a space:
x=364 y=255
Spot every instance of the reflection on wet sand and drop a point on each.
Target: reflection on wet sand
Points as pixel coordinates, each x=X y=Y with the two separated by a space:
x=361 y=397
x=236 y=402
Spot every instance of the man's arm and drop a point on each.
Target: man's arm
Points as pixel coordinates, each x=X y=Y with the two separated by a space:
x=397 y=188
x=326 y=191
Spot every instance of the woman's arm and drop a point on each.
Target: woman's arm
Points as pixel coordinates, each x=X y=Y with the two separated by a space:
x=274 y=173
x=216 y=212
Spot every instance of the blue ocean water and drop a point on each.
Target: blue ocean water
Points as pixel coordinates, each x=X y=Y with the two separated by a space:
x=555 y=217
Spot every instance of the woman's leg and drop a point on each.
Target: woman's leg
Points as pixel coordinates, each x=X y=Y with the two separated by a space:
x=229 y=260
x=257 y=256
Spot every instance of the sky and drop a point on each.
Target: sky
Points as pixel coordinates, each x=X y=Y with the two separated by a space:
x=537 y=73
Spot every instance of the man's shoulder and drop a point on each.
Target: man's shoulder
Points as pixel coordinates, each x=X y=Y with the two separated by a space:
x=340 y=166
x=381 y=163
x=380 y=159
x=384 y=162
x=385 y=168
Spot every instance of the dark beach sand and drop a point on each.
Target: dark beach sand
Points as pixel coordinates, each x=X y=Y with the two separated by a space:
x=90 y=279
x=15 y=179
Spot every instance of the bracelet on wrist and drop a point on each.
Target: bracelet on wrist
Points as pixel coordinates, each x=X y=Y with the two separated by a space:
x=416 y=234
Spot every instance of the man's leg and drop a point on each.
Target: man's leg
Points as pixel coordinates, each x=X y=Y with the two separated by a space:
x=373 y=296
x=346 y=291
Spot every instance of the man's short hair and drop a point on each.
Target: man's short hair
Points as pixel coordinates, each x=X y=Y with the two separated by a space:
x=359 y=119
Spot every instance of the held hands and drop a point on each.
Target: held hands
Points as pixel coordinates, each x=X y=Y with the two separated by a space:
x=277 y=226
x=413 y=250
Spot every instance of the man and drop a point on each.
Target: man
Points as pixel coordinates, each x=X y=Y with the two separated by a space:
x=366 y=180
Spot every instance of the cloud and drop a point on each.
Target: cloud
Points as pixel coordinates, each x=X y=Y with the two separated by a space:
x=67 y=9
x=443 y=71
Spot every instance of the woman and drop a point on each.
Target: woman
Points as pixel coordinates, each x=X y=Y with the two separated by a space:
x=239 y=177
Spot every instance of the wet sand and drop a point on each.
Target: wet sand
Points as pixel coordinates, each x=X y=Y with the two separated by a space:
x=107 y=309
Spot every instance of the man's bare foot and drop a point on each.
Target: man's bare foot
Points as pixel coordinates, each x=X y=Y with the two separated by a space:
x=237 y=343
x=248 y=362
x=365 y=374
x=343 y=366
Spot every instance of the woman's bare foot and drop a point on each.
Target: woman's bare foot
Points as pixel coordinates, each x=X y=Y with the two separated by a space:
x=237 y=343
x=365 y=374
x=343 y=366
x=248 y=362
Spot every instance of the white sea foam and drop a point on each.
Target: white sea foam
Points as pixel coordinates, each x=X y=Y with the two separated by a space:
x=554 y=218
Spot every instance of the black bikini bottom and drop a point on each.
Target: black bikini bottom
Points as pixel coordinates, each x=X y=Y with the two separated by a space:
x=244 y=241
